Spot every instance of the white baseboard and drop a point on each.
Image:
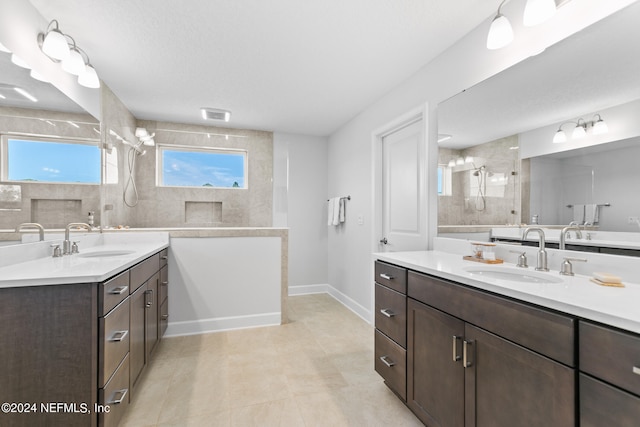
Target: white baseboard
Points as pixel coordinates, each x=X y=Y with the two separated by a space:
x=321 y=288
x=220 y=324
x=336 y=294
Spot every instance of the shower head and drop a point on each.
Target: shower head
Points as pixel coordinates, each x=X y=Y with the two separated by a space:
x=477 y=171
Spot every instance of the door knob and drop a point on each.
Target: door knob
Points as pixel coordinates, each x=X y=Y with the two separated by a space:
x=384 y=241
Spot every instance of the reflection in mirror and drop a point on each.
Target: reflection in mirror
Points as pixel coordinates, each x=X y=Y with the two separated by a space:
x=588 y=73
x=44 y=138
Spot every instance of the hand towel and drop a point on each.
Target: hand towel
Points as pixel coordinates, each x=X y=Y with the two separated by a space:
x=343 y=206
x=336 y=211
x=591 y=214
x=330 y=205
x=578 y=214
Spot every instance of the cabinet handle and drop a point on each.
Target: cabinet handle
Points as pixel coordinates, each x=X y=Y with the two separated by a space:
x=387 y=312
x=465 y=353
x=387 y=362
x=118 y=336
x=149 y=303
x=164 y=283
x=119 y=290
x=386 y=276
x=636 y=370
x=122 y=394
x=165 y=316
x=456 y=356
x=164 y=257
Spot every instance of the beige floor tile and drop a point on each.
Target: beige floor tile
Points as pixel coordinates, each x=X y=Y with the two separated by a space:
x=315 y=370
x=281 y=413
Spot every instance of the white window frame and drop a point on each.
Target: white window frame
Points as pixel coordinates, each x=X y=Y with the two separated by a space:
x=4 y=153
x=160 y=148
x=447 y=178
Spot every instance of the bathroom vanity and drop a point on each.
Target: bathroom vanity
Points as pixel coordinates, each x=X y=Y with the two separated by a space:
x=78 y=332
x=461 y=349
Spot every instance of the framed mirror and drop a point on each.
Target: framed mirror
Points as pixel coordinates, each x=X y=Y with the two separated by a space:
x=503 y=129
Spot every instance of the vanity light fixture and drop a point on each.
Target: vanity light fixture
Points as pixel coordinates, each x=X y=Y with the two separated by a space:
x=19 y=61
x=535 y=12
x=580 y=131
x=36 y=75
x=3 y=48
x=60 y=47
x=54 y=43
x=500 y=32
x=452 y=163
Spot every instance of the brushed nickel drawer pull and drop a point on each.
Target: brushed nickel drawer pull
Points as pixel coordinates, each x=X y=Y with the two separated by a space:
x=164 y=283
x=386 y=362
x=122 y=393
x=118 y=336
x=386 y=276
x=456 y=356
x=636 y=370
x=165 y=316
x=465 y=353
x=387 y=312
x=148 y=303
x=164 y=257
x=119 y=290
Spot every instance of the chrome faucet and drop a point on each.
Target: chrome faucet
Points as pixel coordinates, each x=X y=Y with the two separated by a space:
x=565 y=234
x=542 y=253
x=66 y=245
x=32 y=225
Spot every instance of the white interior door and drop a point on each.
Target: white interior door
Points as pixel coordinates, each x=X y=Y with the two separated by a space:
x=404 y=215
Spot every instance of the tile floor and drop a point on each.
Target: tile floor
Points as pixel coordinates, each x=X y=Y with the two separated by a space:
x=316 y=370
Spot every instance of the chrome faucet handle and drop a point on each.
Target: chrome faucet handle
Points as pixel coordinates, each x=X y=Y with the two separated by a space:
x=57 y=251
x=566 y=268
x=74 y=248
x=522 y=259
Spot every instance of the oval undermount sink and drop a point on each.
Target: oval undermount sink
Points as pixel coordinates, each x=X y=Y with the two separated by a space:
x=104 y=254
x=512 y=274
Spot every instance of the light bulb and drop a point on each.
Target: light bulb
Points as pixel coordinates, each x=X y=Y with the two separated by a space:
x=600 y=127
x=89 y=78
x=578 y=132
x=500 y=33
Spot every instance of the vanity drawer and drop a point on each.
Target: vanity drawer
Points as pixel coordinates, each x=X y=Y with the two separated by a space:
x=611 y=355
x=391 y=276
x=112 y=292
x=605 y=405
x=114 y=341
x=391 y=364
x=391 y=314
x=544 y=331
x=164 y=257
x=141 y=272
x=115 y=395
x=163 y=285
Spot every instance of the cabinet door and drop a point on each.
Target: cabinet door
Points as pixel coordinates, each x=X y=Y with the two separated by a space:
x=151 y=321
x=507 y=385
x=435 y=376
x=136 y=334
x=605 y=405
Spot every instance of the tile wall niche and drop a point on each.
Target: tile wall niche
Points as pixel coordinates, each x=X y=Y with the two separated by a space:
x=205 y=207
x=506 y=182
x=31 y=201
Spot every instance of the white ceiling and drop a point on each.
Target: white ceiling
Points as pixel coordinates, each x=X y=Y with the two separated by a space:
x=293 y=66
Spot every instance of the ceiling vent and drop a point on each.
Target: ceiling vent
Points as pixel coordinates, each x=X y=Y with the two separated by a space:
x=215 y=114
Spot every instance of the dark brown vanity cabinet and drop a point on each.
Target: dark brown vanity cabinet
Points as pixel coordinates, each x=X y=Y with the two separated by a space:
x=68 y=352
x=609 y=376
x=478 y=359
x=391 y=326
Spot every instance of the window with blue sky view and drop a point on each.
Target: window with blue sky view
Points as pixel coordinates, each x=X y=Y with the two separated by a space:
x=48 y=161
x=203 y=168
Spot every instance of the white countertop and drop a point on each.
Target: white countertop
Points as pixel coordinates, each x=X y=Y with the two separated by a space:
x=31 y=264
x=575 y=295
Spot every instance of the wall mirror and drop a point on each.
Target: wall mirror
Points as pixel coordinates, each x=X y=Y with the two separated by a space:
x=497 y=162
x=41 y=178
